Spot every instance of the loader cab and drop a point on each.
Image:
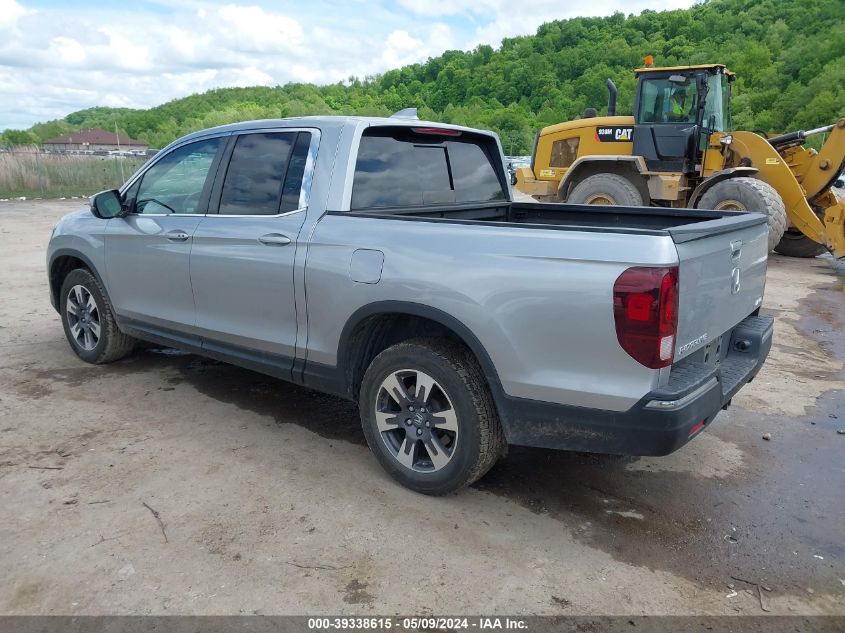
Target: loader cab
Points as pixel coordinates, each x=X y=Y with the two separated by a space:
x=675 y=112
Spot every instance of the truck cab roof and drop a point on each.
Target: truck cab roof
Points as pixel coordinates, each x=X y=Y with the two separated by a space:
x=330 y=122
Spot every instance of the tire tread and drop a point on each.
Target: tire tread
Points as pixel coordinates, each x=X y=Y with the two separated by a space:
x=735 y=188
x=599 y=183
x=461 y=361
x=117 y=344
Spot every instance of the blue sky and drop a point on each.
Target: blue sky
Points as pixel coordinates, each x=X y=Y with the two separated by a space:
x=58 y=56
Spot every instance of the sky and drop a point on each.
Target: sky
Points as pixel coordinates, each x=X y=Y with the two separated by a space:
x=59 y=56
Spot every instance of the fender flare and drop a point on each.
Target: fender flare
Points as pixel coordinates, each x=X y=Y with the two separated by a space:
x=69 y=252
x=637 y=161
x=717 y=177
x=466 y=335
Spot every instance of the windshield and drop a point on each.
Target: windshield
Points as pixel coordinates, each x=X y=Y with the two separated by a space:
x=717 y=104
x=664 y=101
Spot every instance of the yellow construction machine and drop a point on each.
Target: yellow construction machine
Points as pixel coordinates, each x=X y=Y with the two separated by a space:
x=678 y=150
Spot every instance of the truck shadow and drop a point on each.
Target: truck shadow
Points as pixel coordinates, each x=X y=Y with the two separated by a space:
x=757 y=520
x=284 y=402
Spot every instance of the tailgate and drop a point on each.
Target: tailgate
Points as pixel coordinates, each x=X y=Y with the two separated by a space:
x=722 y=274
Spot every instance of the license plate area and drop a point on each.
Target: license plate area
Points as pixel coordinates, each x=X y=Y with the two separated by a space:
x=712 y=354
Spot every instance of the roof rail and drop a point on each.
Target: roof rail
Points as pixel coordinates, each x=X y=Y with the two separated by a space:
x=406 y=113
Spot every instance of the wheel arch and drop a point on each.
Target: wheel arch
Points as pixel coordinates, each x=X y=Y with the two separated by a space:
x=375 y=327
x=630 y=167
x=717 y=177
x=62 y=262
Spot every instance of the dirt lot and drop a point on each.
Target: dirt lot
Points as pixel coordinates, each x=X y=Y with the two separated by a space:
x=271 y=502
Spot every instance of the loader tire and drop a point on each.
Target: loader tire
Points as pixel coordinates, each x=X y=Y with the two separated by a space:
x=796 y=244
x=606 y=189
x=749 y=194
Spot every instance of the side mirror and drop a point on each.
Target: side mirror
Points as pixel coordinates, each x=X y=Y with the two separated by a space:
x=107 y=204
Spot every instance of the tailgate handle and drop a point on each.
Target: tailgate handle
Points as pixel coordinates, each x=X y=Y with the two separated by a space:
x=736 y=249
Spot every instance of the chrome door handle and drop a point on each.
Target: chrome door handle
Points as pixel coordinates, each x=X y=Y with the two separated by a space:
x=177 y=236
x=274 y=239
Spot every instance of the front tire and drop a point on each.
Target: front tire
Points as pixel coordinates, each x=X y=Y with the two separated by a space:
x=429 y=417
x=796 y=244
x=749 y=194
x=88 y=320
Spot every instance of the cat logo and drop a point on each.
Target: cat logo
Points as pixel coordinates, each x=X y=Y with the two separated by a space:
x=614 y=134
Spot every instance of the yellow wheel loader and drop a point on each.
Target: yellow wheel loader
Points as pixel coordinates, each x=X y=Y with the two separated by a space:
x=678 y=150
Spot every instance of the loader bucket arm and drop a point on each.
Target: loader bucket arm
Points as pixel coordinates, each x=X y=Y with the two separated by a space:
x=823 y=169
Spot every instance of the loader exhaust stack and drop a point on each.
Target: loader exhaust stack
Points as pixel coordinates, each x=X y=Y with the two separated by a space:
x=611 y=100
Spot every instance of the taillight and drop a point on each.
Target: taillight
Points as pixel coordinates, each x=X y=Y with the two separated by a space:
x=645 y=307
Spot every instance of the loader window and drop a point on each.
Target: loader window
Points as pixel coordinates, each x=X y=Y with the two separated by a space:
x=717 y=104
x=397 y=168
x=663 y=101
x=564 y=152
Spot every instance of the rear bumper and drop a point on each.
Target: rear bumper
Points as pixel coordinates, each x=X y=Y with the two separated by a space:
x=660 y=423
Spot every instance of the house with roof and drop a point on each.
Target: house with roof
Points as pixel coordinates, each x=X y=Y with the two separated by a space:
x=93 y=140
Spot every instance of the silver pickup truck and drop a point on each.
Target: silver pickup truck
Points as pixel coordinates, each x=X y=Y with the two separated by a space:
x=382 y=260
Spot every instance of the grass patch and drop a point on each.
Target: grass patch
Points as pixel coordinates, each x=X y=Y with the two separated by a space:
x=27 y=172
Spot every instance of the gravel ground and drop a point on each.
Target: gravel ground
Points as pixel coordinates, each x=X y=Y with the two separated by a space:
x=268 y=500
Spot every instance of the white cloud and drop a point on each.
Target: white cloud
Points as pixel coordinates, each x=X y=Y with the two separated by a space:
x=255 y=30
x=10 y=12
x=57 y=60
x=66 y=50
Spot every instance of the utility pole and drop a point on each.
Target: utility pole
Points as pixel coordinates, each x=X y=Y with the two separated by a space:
x=119 y=157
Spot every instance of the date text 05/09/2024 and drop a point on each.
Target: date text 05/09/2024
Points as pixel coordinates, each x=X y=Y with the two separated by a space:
x=416 y=623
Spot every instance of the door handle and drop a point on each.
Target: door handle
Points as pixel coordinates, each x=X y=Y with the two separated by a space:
x=274 y=239
x=177 y=236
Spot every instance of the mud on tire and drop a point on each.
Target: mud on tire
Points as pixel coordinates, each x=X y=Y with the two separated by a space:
x=429 y=417
x=88 y=320
x=606 y=189
x=749 y=194
x=796 y=244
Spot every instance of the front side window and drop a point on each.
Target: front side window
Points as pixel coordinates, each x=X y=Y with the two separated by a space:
x=398 y=167
x=664 y=101
x=175 y=183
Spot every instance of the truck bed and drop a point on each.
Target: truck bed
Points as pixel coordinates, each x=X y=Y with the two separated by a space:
x=682 y=224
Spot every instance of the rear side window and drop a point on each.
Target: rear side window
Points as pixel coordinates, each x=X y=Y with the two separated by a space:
x=264 y=176
x=400 y=168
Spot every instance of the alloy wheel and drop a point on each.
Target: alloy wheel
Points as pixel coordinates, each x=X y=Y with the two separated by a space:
x=83 y=317
x=416 y=420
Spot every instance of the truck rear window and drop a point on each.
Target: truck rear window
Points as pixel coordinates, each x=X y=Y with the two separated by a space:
x=399 y=168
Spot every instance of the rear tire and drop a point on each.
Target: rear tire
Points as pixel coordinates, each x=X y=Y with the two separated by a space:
x=429 y=417
x=606 y=189
x=88 y=320
x=796 y=244
x=749 y=194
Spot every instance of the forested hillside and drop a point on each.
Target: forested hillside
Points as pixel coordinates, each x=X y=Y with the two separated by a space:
x=789 y=56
